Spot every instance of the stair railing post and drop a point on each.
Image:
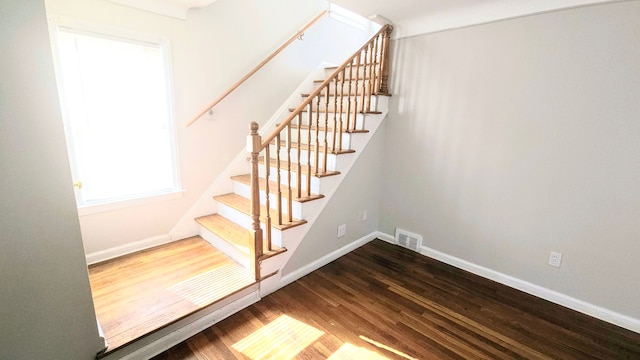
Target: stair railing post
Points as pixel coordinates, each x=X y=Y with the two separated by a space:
x=254 y=146
x=386 y=40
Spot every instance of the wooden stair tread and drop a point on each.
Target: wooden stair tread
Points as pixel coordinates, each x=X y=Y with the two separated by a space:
x=343 y=112
x=294 y=145
x=243 y=205
x=333 y=67
x=227 y=230
x=330 y=129
x=333 y=94
x=246 y=179
x=285 y=164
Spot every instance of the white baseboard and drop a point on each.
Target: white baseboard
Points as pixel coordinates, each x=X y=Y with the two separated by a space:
x=111 y=253
x=386 y=237
x=530 y=288
x=289 y=278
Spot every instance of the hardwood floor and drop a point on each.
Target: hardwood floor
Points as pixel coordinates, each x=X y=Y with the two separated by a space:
x=139 y=293
x=385 y=302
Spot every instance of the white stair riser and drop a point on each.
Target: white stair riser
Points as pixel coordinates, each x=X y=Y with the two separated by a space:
x=244 y=220
x=244 y=190
x=350 y=73
x=228 y=249
x=284 y=179
x=332 y=159
x=345 y=104
x=359 y=120
x=344 y=137
x=346 y=86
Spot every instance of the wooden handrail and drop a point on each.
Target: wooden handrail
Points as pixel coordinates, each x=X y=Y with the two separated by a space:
x=266 y=141
x=256 y=69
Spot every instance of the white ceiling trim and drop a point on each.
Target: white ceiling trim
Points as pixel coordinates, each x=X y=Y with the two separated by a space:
x=482 y=13
x=172 y=8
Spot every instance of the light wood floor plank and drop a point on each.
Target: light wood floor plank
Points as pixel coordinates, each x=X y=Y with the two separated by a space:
x=139 y=293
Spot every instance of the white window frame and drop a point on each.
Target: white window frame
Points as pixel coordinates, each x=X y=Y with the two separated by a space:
x=80 y=26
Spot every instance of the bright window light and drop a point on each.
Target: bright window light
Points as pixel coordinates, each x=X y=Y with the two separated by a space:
x=116 y=104
x=348 y=17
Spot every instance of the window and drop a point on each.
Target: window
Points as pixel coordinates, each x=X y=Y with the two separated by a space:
x=115 y=96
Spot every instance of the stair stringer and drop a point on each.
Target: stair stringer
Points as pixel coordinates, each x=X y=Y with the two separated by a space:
x=186 y=227
x=292 y=238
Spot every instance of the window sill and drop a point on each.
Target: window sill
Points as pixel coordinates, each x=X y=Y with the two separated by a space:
x=122 y=204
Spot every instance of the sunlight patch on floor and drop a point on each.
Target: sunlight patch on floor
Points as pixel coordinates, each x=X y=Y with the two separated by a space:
x=350 y=352
x=283 y=338
x=212 y=285
x=388 y=348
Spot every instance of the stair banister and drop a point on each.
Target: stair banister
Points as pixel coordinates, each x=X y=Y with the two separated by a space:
x=256 y=69
x=374 y=55
x=385 y=31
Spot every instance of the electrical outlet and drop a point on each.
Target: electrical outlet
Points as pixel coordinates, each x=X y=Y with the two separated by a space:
x=342 y=230
x=555 y=259
x=364 y=215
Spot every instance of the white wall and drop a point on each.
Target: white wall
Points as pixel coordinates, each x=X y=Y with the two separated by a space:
x=46 y=311
x=359 y=191
x=508 y=140
x=211 y=50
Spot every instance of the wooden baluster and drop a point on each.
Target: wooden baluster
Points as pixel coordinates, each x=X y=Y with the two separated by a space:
x=316 y=152
x=349 y=97
x=374 y=71
x=254 y=144
x=289 y=192
x=386 y=37
x=364 y=80
x=308 y=143
x=299 y=165
x=379 y=51
x=278 y=181
x=370 y=72
x=355 y=97
x=336 y=114
x=326 y=129
x=267 y=202
x=340 y=119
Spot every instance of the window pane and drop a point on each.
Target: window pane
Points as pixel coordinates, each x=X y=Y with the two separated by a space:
x=116 y=100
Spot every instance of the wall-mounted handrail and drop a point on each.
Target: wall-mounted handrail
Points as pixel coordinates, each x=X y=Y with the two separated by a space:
x=256 y=69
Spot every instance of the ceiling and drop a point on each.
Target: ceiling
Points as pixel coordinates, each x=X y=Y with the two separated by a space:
x=410 y=17
x=414 y=17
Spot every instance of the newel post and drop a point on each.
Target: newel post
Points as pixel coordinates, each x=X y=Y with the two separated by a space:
x=254 y=145
x=386 y=44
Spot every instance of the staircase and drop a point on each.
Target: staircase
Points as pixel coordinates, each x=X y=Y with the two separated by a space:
x=273 y=201
x=295 y=169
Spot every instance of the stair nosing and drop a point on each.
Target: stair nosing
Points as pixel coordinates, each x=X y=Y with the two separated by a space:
x=273 y=188
x=247 y=211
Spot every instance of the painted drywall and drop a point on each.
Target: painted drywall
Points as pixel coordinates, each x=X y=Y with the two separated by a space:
x=212 y=49
x=359 y=191
x=510 y=140
x=46 y=311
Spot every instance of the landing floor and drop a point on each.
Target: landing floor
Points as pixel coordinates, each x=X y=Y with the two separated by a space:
x=139 y=293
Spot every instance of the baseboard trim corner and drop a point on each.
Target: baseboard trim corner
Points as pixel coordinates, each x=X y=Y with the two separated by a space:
x=309 y=268
x=584 y=307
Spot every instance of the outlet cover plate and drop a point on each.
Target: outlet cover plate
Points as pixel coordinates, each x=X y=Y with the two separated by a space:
x=555 y=259
x=342 y=230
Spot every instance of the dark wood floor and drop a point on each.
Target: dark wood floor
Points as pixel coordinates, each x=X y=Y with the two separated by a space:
x=385 y=302
x=139 y=293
